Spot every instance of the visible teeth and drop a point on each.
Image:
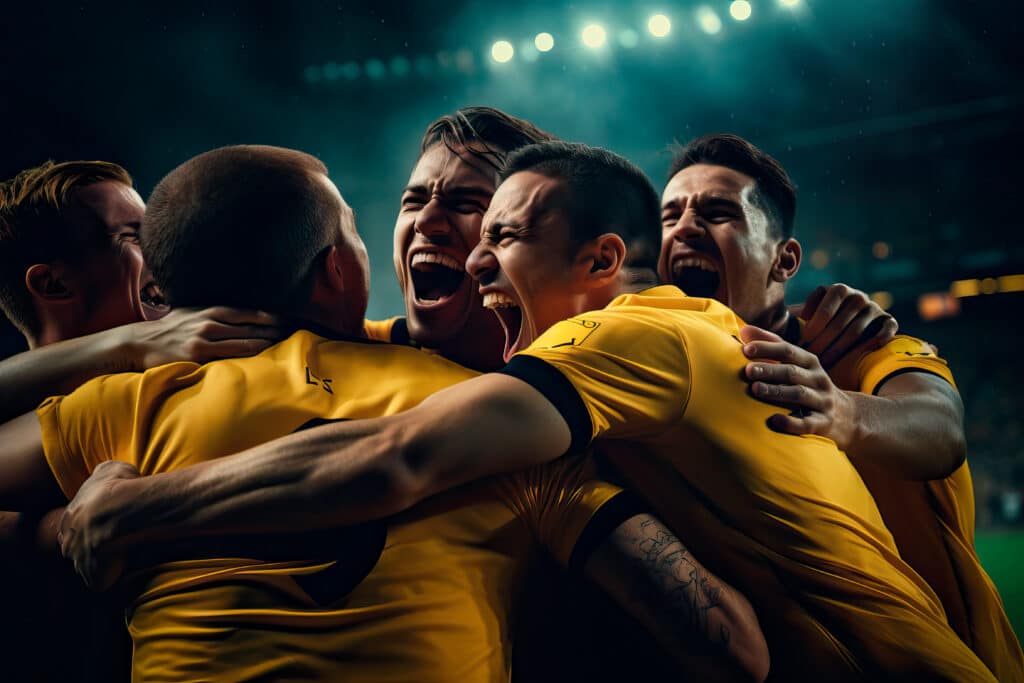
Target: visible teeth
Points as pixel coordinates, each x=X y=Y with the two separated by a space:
x=498 y=300
x=695 y=262
x=438 y=258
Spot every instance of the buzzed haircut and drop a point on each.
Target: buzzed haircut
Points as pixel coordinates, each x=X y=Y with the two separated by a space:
x=486 y=133
x=34 y=228
x=604 y=193
x=240 y=226
x=774 y=193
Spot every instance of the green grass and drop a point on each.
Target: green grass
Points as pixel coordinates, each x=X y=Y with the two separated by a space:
x=1002 y=553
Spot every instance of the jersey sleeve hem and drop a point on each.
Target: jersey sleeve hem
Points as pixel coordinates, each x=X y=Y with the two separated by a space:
x=902 y=371
x=557 y=389
x=605 y=520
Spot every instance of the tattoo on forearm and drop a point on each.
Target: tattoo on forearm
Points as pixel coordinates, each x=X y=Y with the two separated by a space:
x=692 y=594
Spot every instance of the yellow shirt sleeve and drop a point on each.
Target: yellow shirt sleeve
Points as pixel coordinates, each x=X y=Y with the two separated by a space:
x=379 y=330
x=568 y=511
x=628 y=374
x=90 y=425
x=867 y=372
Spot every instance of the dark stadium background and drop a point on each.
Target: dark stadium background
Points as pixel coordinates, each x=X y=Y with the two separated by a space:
x=900 y=120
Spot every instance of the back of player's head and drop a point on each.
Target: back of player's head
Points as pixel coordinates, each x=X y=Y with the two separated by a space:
x=240 y=226
x=486 y=133
x=604 y=192
x=34 y=228
x=775 y=193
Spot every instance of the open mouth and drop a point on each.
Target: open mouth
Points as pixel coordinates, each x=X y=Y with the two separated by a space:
x=511 y=317
x=152 y=298
x=696 y=276
x=435 y=277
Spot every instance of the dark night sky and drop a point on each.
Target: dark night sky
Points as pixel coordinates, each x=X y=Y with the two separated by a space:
x=899 y=120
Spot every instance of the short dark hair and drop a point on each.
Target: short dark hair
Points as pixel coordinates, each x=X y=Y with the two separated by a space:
x=493 y=130
x=774 y=193
x=240 y=226
x=604 y=192
x=33 y=228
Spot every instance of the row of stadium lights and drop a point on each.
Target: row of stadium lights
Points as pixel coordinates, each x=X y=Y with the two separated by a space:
x=938 y=305
x=593 y=36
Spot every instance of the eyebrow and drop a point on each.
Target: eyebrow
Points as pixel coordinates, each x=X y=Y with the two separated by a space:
x=457 y=191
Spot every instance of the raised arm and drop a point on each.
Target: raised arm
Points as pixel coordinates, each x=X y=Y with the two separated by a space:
x=913 y=427
x=29 y=377
x=336 y=474
x=706 y=624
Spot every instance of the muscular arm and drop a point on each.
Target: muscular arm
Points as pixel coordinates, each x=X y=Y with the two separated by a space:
x=29 y=377
x=913 y=427
x=194 y=335
x=336 y=474
x=705 y=623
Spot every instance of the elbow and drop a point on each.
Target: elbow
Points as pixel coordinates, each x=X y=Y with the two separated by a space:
x=747 y=644
x=957 y=455
x=400 y=476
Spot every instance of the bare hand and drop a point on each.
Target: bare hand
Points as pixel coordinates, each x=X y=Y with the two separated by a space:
x=86 y=529
x=786 y=375
x=841 y=319
x=202 y=335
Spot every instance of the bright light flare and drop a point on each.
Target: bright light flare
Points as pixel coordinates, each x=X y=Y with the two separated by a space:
x=740 y=10
x=708 y=20
x=502 y=51
x=594 y=35
x=789 y=3
x=659 y=25
x=544 y=42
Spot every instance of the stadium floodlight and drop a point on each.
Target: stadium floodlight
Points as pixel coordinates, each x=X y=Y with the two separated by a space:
x=502 y=51
x=375 y=69
x=708 y=20
x=659 y=25
x=593 y=35
x=740 y=10
x=544 y=41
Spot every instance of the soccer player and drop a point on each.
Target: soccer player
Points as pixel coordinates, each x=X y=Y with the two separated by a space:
x=657 y=374
x=727 y=231
x=426 y=596
x=73 y=282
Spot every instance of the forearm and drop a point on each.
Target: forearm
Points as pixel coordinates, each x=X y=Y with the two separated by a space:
x=705 y=623
x=338 y=474
x=917 y=436
x=29 y=377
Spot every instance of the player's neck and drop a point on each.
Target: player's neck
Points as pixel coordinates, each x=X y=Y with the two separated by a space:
x=775 y=319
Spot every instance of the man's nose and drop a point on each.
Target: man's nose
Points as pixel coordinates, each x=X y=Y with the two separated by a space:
x=689 y=226
x=432 y=220
x=482 y=264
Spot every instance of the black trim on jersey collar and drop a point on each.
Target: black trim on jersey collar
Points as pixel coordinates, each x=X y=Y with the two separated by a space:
x=607 y=518
x=556 y=388
x=294 y=325
x=903 y=371
x=400 y=333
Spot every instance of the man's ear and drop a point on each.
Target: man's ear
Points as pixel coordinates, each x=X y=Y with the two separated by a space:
x=602 y=258
x=328 y=280
x=48 y=283
x=787 y=260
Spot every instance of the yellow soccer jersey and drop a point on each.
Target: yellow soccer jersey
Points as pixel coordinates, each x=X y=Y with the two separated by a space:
x=392 y=330
x=785 y=519
x=426 y=596
x=933 y=522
